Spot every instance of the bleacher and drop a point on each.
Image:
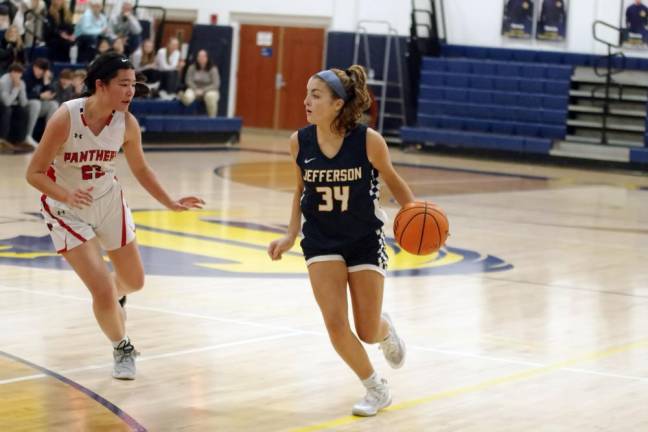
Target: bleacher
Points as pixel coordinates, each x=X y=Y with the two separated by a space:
x=164 y=120
x=498 y=105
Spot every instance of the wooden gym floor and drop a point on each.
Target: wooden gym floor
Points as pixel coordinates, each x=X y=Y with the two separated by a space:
x=535 y=316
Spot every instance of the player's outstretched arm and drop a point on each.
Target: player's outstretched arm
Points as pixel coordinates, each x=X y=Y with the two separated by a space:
x=145 y=175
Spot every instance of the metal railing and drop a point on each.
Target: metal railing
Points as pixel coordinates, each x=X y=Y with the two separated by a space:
x=608 y=71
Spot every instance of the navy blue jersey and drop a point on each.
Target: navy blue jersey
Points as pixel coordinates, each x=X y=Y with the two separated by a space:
x=340 y=199
x=636 y=18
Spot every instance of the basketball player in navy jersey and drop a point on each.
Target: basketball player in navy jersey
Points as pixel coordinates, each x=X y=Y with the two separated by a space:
x=338 y=163
x=82 y=202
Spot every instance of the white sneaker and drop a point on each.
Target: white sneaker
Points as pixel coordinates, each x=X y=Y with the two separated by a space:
x=377 y=398
x=393 y=347
x=124 y=356
x=31 y=141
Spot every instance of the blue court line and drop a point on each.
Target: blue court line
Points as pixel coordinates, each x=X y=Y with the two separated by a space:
x=130 y=421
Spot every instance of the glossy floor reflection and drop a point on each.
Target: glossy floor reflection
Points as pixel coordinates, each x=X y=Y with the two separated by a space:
x=535 y=316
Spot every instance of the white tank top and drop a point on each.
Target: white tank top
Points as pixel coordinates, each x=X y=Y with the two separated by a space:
x=88 y=160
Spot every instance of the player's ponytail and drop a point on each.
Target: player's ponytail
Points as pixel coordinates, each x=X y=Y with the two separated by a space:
x=354 y=92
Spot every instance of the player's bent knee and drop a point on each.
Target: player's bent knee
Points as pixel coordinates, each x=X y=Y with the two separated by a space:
x=136 y=283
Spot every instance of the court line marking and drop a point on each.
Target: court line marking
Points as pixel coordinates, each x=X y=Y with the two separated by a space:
x=483 y=385
x=156 y=357
x=121 y=414
x=295 y=332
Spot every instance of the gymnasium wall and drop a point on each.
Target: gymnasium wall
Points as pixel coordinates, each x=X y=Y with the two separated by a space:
x=342 y=14
x=478 y=22
x=469 y=22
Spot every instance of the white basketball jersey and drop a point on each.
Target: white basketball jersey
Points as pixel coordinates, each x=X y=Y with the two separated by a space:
x=88 y=160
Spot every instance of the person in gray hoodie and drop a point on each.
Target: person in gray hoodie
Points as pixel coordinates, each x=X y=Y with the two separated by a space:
x=13 y=111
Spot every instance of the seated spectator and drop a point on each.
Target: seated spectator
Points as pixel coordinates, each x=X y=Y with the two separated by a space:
x=203 y=82
x=143 y=60
x=127 y=26
x=35 y=17
x=40 y=95
x=13 y=111
x=11 y=49
x=78 y=83
x=102 y=47
x=63 y=87
x=118 y=46
x=92 y=26
x=5 y=20
x=169 y=64
x=59 y=31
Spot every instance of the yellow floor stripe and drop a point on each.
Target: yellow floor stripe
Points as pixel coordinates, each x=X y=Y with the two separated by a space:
x=518 y=376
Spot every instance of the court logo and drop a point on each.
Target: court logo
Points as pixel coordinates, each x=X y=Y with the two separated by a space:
x=207 y=243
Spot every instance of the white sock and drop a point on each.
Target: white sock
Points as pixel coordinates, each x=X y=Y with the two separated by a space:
x=373 y=381
x=116 y=344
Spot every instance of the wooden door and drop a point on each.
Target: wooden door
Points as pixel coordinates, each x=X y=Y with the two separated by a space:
x=257 y=69
x=302 y=55
x=180 y=29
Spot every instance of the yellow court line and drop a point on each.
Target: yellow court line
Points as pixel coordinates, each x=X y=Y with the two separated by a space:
x=518 y=376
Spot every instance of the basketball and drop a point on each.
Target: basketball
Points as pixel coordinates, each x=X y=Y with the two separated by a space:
x=421 y=228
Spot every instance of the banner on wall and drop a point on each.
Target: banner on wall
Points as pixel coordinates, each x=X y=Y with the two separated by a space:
x=518 y=16
x=634 y=21
x=552 y=20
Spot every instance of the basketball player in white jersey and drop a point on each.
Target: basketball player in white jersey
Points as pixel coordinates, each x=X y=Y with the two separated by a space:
x=82 y=202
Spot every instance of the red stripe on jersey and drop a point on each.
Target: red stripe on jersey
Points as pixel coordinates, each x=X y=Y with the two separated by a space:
x=83 y=120
x=123 y=241
x=51 y=173
x=63 y=224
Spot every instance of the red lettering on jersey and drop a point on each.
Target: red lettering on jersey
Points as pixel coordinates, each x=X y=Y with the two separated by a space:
x=83 y=156
x=66 y=156
x=74 y=157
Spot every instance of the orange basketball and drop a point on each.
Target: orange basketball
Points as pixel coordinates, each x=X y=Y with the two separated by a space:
x=421 y=228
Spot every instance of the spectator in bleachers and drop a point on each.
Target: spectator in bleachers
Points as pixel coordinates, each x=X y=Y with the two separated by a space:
x=15 y=13
x=203 y=82
x=40 y=94
x=59 y=31
x=11 y=49
x=118 y=46
x=91 y=28
x=35 y=13
x=127 y=26
x=5 y=20
x=169 y=64
x=78 y=83
x=63 y=87
x=102 y=47
x=144 y=62
x=13 y=111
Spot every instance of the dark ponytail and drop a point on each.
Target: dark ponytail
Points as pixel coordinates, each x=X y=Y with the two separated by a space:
x=354 y=80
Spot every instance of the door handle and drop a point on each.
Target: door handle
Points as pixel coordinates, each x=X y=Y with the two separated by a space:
x=279 y=81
